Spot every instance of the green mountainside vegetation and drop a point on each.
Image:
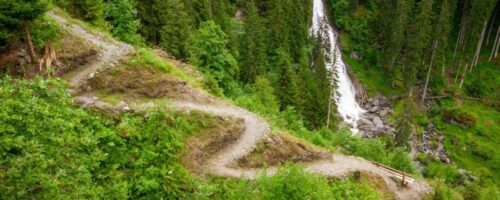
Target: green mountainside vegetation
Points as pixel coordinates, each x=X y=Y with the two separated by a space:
x=437 y=60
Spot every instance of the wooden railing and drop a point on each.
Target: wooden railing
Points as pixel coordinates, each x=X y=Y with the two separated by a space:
x=403 y=176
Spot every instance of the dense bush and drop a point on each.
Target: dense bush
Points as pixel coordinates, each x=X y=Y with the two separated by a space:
x=291 y=182
x=51 y=149
x=447 y=173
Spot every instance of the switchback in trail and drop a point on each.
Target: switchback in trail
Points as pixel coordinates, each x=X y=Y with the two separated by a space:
x=255 y=128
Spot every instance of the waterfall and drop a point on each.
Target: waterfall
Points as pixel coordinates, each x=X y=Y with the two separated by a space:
x=345 y=95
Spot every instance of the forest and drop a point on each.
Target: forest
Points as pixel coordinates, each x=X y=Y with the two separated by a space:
x=435 y=61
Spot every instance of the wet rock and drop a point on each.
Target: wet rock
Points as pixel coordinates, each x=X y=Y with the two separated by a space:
x=374 y=109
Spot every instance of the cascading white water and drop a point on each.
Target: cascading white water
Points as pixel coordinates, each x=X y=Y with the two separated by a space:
x=345 y=95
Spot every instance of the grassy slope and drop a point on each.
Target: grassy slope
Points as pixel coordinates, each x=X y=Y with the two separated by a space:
x=142 y=159
x=476 y=148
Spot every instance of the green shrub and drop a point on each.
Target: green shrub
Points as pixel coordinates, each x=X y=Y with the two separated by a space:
x=443 y=192
x=51 y=149
x=447 y=173
x=289 y=183
x=459 y=115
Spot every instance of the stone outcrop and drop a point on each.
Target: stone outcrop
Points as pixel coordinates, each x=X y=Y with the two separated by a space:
x=376 y=120
x=431 y=143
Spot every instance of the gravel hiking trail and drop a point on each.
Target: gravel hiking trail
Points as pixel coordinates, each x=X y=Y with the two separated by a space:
x=256 y=129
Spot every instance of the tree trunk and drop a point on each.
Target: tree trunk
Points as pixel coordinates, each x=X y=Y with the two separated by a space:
x=479 y=45
x=459 y=37
x=458 y=72
x=30 y=46
x=495 y=45
x=49 y=57
x=430 y=69
x=443 y=67
x=464 y=74
x=491 y=27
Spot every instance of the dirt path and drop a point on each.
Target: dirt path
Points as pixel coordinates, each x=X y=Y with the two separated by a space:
x=255 y=127
x=110 y=50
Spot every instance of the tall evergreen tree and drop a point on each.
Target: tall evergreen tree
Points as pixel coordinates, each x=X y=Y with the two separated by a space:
x=394 y=24
x=287 y=90
x=18 y=15
x=253 y=56
x=176 y=29
x=419 y=39
x=152 y=15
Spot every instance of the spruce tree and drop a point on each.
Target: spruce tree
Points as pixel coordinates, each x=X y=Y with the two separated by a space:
x=394 y=23
x=418 y=42
x=287 y=90
x=152 y=16
x=253 y=56
x=17 y=15
x=176 y=29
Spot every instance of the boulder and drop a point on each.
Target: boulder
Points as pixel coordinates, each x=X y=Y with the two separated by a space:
x=373 y=109
x=384 y=102
x=383 y=112
x=365 y=123
x=378 y=122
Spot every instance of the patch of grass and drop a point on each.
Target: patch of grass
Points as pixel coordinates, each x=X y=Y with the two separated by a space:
x=474 y=148
x=147 y=58
x=371 y=76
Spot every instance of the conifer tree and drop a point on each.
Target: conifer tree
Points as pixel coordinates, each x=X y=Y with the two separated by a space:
x=93 y=11
x=418 y=41
x=16 y=15
x=176 y=29
x=152 y=15
x=253 y=57
x=394 y=24
x=287 y=90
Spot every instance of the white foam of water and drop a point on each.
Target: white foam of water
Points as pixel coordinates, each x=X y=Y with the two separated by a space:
x=345 y=95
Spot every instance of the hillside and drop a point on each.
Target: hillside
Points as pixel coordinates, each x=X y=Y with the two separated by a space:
x=247 y=100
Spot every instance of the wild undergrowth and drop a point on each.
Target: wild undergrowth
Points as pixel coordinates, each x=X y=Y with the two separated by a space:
x=290 y=182
x=51 y=149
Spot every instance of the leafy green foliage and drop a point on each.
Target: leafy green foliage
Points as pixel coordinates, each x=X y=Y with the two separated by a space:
x=51 y=149
x=209 y=53
x=122 y=17
x=291 y=182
